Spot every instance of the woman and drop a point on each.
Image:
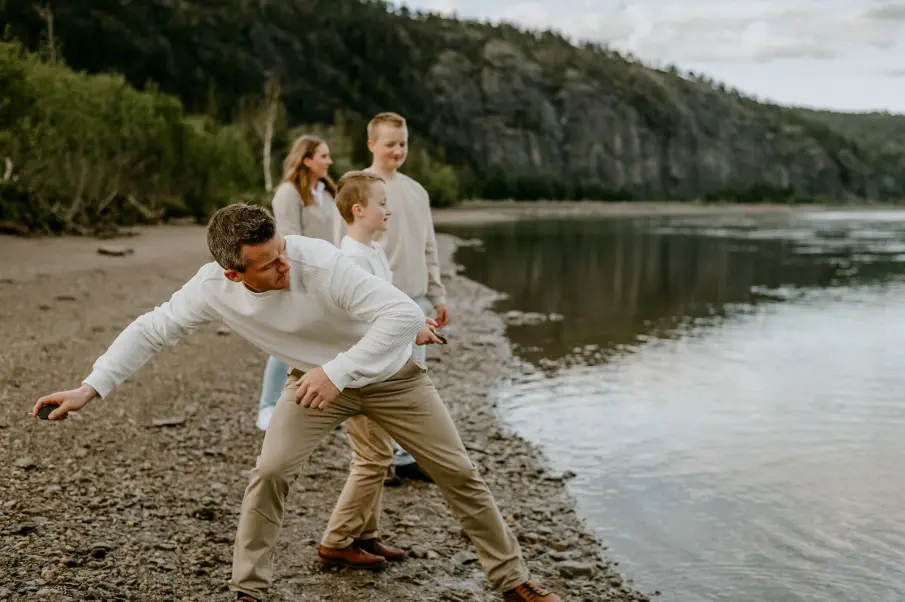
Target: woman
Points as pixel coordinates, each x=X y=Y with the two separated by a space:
x=302 y=204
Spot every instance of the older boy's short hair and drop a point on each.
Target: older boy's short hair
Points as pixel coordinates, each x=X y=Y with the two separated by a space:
x=235 y=226
x=354 y=188
x=391 y=119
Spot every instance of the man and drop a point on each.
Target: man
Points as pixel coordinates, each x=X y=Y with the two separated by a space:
x=347 y=337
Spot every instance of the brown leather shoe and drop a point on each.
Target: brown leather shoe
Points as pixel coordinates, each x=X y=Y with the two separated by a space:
x=530 y=592
x=351 y=556
x=375 y=546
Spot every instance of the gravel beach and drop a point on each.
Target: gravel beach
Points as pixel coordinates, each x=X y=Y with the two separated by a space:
x=137 y=498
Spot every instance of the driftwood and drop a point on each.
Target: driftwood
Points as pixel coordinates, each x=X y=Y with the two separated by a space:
x=146 y=212
x=11 y=227
x=114 y=250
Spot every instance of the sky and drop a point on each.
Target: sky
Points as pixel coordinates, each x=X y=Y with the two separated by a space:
x=844 y=55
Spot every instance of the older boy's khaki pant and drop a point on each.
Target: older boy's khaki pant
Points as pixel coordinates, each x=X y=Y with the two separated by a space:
x=409 y=409
x=357 y=512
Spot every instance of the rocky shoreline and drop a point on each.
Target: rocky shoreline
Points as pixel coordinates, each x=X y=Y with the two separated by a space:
x=137 y=498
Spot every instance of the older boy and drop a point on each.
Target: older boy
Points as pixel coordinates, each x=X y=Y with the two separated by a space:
x=409 y=241
x=347 y=337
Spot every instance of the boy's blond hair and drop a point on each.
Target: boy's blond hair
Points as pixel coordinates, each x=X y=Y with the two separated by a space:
x=391 y=119
x=354 y=188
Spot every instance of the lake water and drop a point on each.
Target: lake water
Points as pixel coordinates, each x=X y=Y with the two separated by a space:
x=729 y=390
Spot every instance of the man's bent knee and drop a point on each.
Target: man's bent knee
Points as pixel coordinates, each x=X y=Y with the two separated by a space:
x=275 y=473
x=459 y=474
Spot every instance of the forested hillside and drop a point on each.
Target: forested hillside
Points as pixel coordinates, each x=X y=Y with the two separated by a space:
x=495 y=112
x=876 y=130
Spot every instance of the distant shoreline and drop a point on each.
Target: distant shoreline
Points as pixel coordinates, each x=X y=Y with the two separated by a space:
x=479 y=212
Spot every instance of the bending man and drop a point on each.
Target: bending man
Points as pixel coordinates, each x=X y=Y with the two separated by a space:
x=347 y=337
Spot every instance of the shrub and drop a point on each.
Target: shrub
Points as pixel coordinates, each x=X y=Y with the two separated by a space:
x=89 y=150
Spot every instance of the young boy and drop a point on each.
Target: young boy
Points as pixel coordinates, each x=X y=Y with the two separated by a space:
x=409 y=241
x=362 y=202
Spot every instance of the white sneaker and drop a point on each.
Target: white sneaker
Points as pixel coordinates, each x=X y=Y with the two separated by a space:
x=264 y=415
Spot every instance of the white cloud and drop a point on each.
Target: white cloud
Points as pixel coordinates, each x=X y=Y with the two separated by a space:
x=756 y=31
x=708 y=30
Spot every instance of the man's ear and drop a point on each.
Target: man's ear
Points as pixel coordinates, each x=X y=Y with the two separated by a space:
x=232 y=275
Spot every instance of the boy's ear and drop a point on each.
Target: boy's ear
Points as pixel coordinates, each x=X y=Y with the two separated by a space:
x=371 y=144
x=358 y=210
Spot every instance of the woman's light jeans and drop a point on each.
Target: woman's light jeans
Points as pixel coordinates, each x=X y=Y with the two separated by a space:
x=276 y=370
x=275 y=373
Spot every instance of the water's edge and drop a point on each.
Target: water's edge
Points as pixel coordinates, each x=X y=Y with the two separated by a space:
x=561 y=524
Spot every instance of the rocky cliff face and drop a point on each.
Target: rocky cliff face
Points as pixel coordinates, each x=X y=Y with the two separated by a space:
x=686 y=140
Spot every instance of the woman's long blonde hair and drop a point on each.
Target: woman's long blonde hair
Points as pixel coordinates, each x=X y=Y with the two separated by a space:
x=297 y=173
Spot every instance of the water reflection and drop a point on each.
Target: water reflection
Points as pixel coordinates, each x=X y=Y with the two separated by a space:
x=729 y=392
x=616 y=281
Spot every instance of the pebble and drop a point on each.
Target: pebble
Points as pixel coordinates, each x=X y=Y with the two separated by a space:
x=572 y=569
x=168 y=421
x=99 y=550
x=25 y=463
x=562 y=556
x=26 y=527
x=464 y=557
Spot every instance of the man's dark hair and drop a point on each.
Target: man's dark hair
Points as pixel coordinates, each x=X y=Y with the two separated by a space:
x=234 y=226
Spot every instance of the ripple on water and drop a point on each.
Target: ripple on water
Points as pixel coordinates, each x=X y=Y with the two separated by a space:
x=757 y=461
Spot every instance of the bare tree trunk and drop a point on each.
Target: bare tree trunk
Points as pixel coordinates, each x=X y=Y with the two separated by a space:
x=77 y=199
x=47 y=14
x=273 y=107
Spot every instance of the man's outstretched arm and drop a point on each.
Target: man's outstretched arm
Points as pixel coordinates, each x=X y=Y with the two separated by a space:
x=394 y=321
x=166 y=324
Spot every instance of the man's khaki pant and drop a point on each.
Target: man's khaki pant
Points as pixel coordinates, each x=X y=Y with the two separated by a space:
x=357 y=512
x=410 y=410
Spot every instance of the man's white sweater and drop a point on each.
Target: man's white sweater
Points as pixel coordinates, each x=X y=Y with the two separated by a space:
x=355 y=326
